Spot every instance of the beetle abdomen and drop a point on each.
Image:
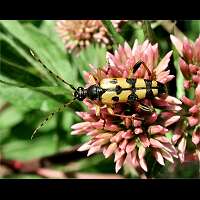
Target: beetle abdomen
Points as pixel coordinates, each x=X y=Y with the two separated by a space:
x=129 y=90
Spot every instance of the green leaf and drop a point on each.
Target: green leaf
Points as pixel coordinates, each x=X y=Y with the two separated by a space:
x=192 y=29
x=118 y=39
x=48 y=27
x=18 y=49
x=44 y=98
x=94 y=54
x=29 y=149
x=20 y=74
x=148 y=31
x=10 y=117
x=45 y=48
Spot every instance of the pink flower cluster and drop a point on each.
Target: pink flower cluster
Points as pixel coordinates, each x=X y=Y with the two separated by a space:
x=78 y=34
x=189 y=64
x=128 y=139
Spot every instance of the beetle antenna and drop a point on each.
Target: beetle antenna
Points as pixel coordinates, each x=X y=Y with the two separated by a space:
x=58 y=77
x=60 y=109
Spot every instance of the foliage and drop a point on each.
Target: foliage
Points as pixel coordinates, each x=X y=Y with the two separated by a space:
x=28 y=92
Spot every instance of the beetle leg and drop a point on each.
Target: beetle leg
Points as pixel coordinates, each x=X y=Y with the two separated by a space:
x=146 y=108
x=97 y=110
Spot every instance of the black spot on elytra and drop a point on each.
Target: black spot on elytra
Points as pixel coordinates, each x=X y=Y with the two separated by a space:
x=131 y=81
x=115 y=98
x=113 y=81
x=149 y=92
x=118 y=89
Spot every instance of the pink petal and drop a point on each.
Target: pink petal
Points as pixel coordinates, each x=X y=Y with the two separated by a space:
x=196 y=78
x=173 y=100
x=187 y=101
x=93 y=150
x=78 y=132
x=193 y=68
x=118 y=154
x=196 y=136
x=187 y=84
x=110 y=58
x=118 y=137
x=187 y=50
x=104 y=136
x=109 y=151
x=163 y=63
x=93 y=132
x=156 y=143
x=178 y=132
x=123 y=144
x=197 y=93
x=197 y=49
x=171 y=120
x=169 y=78
x=144 y=140
x=184 y=68
x=127 y=134
x=100 y=142
x=119 y=164
x=84 y=147
x=130 y=146
x=170 y=148
x=152 y=118
x=181 y=157
x=166 y=114
x=193 y=120
x=127 y=49
x=182 y=145
x=127 y=122
x=155 y=53
x=194 y=109
x=167 y=155
x=141 y=151
x=162 y=139
x=86 y=116
x=157 y=129
x=80 y=125
x=159 y=157
x=135 y=46
x=138 y=130
x=137 y=123
x=134 y=158
x=143 y=164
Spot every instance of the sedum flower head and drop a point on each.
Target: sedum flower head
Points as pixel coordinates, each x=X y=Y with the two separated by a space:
x=189 y=64
x=78 y=34
x=131 y=140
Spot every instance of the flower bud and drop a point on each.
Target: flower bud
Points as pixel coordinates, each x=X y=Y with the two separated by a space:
x=193 y=120
x=196 y=136
x=184 y=68
x=187 y=101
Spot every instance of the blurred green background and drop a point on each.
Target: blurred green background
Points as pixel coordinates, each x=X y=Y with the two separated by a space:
x=28 y=93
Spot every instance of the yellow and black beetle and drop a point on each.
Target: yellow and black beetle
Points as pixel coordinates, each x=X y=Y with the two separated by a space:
x=115 y=90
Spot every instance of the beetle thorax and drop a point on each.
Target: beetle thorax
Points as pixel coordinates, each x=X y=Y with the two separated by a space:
x=94 y=92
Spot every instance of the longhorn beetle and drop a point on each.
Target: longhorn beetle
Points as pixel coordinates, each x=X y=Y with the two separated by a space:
x=111 y=91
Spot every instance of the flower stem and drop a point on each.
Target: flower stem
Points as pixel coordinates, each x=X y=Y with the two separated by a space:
x=179 y=76
x=118 y=39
